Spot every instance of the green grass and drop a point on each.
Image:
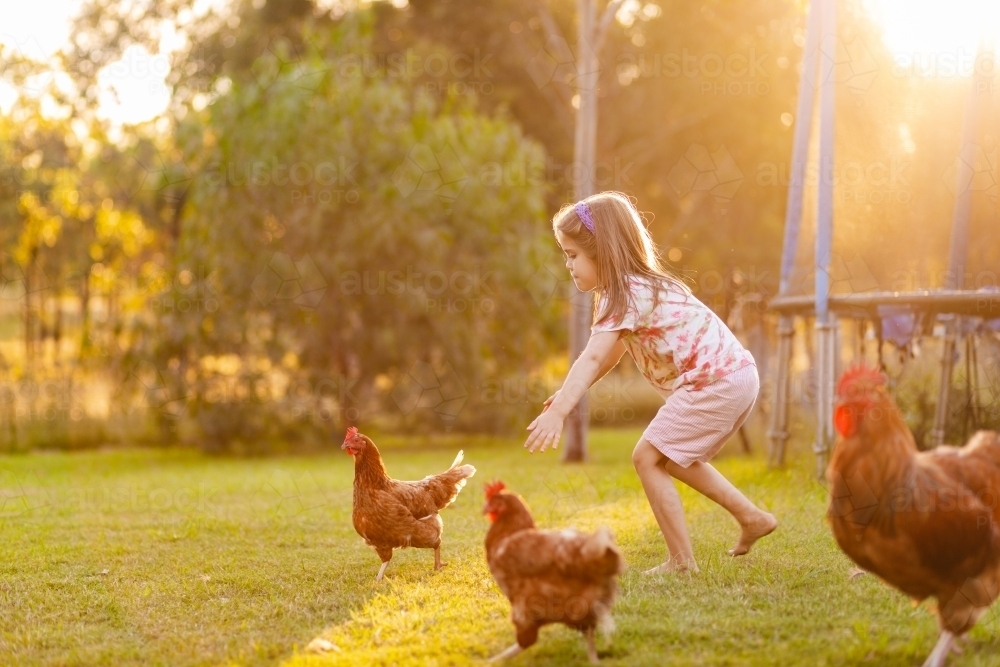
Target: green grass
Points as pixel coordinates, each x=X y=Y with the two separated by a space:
x=172 y=558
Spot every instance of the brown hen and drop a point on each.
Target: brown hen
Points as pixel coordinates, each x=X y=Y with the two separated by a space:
x=391 y=514
x=549 y=576
x=928 y=523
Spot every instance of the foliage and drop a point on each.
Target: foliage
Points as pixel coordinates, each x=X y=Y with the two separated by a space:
x=352 y=228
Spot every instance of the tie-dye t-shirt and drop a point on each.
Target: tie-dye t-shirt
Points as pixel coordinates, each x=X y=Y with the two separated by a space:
x=677 y=341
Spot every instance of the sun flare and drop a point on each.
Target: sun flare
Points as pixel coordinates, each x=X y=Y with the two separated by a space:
x=931 y=30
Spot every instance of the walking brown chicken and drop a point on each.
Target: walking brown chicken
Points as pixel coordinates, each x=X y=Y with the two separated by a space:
x=549 y=576
x=390 y=514
x=927 y=523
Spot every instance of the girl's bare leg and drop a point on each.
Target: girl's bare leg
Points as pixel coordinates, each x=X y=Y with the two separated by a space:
x=704 y=478
x=666 y=504
x=657 y=472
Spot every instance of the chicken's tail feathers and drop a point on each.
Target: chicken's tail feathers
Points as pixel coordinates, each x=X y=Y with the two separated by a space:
x=454 y=480
x=986 y=441
x=466 y=470
x=464 y=473
x=601 y=545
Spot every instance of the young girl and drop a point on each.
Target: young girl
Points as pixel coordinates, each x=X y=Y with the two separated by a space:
x=682 y=348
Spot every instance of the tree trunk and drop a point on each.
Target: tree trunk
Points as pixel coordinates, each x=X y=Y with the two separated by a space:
x=29 y=320
x=590 y=35
x=84 y=315
x=56 y=328
x=583 y=151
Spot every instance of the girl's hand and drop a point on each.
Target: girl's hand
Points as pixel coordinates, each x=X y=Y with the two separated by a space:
x=547 y=403
x=545 y=430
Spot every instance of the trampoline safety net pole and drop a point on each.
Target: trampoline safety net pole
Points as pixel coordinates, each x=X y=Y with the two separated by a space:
x=824 y=237
x=958 y=250
x=777 y=434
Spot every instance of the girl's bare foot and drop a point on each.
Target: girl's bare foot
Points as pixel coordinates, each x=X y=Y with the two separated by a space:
x=671 y=567
x=757 y=528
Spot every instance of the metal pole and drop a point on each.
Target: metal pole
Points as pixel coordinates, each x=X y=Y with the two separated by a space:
x=944 y=385
x=824 y=235
x=959 y=247
x=800 y=147
x=778 y=433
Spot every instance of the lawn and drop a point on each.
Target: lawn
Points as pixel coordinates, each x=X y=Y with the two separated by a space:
x=147 y=557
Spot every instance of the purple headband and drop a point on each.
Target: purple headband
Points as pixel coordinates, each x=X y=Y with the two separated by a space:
x=583 y=211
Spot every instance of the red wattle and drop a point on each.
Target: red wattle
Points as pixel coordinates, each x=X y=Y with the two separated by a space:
x=844 y=420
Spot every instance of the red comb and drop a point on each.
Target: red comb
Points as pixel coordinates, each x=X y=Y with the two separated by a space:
x=859 y=372
x=494 y=488
x=351 y=432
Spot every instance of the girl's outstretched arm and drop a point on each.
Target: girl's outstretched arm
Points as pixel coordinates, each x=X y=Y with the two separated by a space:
x=547 y=427
x=614 y=356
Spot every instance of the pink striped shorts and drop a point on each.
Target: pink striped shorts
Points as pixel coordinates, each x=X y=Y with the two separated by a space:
x=693 y=425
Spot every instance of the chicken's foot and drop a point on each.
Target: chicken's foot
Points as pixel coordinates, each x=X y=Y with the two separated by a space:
x=591 y=646
x=941 y=650
x=437 y=559
x=381 y=571
x=508 y=652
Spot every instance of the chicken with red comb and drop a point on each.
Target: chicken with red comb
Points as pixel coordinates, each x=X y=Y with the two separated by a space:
x=927 y=523
x=549 y=576
x=391 y=514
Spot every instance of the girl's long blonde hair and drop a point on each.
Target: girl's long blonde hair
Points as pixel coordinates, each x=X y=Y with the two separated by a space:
x=620 y=248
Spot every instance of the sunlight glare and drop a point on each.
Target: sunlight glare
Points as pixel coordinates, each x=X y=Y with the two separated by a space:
x=931 y=30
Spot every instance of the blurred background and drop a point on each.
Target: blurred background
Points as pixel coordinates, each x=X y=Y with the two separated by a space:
x=246 y=224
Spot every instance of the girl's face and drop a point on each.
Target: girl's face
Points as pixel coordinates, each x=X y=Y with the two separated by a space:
x=581 y=267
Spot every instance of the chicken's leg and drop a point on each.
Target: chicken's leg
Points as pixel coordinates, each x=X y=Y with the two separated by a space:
x=385 y=553
x=941 y=650
x=508 y=652
x=591 y=646
x=437 y=558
